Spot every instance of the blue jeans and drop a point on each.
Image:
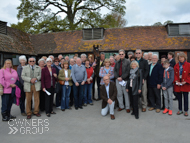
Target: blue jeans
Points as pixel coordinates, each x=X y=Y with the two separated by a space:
x=7 y=101
x=66 y=89
x=88 y=93
x=78 y=94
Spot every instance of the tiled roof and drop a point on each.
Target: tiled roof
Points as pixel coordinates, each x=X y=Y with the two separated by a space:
x=16 y=42
x=129 y=38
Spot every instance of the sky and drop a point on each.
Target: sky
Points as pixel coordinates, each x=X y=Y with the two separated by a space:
x=138 y=12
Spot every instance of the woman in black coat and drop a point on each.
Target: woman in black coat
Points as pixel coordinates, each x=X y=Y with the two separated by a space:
x=134 y=86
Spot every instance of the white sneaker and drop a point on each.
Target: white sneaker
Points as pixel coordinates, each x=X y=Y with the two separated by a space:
x=59 y=107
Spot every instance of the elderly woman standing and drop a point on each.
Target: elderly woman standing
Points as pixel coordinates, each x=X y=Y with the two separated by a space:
x=22 y=60
x=134 y=86
x=182 y=82
x=106 y=70
x=48 y=84
x=65 y=75
x=88 y=84
x=8 y=78
x=42 y=64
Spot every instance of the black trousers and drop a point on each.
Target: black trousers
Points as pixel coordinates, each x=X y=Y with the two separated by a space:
x=98 y=85
x=42 y=100
x=93 y=88
x=71 y=97
x=155 y=97
x=135 y=102
x=49 y=100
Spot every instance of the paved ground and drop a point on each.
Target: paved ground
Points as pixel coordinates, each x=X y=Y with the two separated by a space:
x=88 y=126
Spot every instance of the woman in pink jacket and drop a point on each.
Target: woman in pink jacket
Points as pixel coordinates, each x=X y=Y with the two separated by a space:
x=8 y=77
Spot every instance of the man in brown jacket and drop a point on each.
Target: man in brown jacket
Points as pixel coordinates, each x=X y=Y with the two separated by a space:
x=108 y=93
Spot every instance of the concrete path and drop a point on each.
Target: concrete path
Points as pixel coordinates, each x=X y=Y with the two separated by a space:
x=88 y=126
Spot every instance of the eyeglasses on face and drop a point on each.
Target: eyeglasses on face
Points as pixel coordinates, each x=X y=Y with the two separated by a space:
x=56 y=61
x=32 y=61
x=138 y=53
x=121 y=54
x=48 y=61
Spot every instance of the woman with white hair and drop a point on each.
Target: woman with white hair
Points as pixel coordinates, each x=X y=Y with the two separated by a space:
x=48 y=78
x=22 y=60
x=41 y=63
x=134 y=86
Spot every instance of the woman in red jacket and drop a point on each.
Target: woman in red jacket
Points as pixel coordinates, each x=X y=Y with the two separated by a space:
x=88 y=84
x=182 y=82
x=48 y=78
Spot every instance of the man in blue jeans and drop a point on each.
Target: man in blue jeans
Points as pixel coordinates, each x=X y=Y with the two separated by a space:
x=79 y=77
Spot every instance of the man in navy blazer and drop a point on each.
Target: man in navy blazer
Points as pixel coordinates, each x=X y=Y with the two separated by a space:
x=155 y=78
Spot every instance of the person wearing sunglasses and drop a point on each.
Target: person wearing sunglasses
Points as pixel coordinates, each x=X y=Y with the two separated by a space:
x=121 y=74
x=143 y=65
x=31 y=76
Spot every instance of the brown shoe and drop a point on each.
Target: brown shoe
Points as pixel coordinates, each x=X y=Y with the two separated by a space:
x=143 y=109
x=128 y=110
x=151 y=108
x=120 y=109
x=28 y=117
x=23 y=114
x=37 y=115
x=62 y=109
x=112 y=117
x=157 y=110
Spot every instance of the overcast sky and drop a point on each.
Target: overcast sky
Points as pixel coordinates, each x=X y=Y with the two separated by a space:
x=138 y=12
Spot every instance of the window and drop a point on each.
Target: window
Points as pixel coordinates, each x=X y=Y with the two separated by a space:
x=179 y=29
x=93 y=34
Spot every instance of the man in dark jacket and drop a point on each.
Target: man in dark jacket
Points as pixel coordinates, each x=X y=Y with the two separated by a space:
x=121 y=74
x=108 y=93
x=143 y=65
x=99 y=64
x=154 y=83
x=171 y=59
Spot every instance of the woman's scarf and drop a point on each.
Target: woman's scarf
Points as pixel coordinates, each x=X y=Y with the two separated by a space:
x=132 y=73
x=181 y=67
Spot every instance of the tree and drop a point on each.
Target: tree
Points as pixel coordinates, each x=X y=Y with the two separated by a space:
x=168 y=22
x=157 y=24
x=77 y=12
x=113 y=20
x=160 y=24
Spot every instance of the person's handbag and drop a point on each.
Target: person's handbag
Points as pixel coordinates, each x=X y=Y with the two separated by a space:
x=61 y=82
x=1 y=87
x=57 y=87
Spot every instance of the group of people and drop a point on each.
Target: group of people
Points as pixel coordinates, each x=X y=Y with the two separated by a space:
x=120 y=82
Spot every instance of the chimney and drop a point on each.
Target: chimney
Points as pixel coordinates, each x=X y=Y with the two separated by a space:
x=3 y=27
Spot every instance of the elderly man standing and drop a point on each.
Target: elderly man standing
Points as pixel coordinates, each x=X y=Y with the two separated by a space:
x=83 y=58
x=98 y=65
x=31 y=76
x=154 y=83
x=143 y=65
x=112 y=61
x=60 y=57
x=150 y=58
x=79 y=77
x=108 y=93
x=121 y=74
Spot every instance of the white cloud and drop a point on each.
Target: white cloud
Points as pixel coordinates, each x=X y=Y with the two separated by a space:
x=138 y=12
